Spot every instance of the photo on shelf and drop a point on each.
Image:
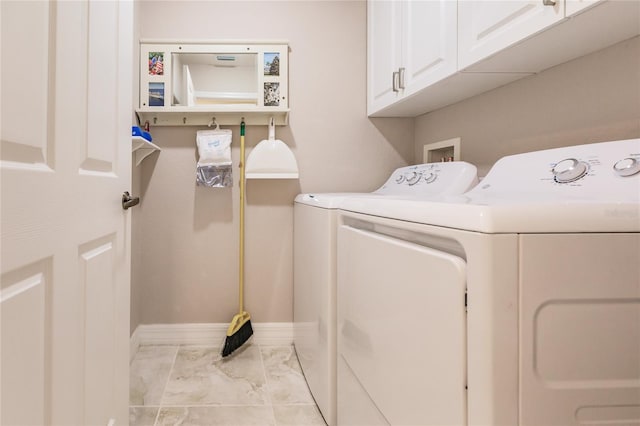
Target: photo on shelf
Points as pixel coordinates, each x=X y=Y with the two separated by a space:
x=271 y=94
x=156 y=63
x=271 y=63
x=156 y=94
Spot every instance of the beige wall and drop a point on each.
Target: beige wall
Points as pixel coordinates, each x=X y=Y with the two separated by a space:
x=595 y=98
x=185 y=238
x=186 y=269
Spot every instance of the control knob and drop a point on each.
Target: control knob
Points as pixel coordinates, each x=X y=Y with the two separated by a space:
x=413 y=178
x=430 y=177
x=627 y=167
x=569 y=170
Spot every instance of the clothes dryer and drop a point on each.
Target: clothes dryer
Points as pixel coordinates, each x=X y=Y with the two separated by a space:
x=517 y=303
x=315 y=266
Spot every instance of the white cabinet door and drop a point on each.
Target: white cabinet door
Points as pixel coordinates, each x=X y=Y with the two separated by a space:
x=414 y=39
x=575 y=6
x=383 y=51
x=65 y=253
x=429 y=43
x=488 y=26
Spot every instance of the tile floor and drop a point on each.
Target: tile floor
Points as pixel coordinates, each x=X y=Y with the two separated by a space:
x=195 y=386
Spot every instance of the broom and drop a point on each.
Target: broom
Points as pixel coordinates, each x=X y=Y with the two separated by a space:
x=240 y=328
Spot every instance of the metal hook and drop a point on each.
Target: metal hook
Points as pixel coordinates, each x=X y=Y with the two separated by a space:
x=213 y=123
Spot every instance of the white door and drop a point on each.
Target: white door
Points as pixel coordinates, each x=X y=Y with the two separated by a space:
x=488 y=26
x=64 y=294
x=384 y=22
x=430 y=43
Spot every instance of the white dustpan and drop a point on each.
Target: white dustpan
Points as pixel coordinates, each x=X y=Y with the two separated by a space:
x=271 y=159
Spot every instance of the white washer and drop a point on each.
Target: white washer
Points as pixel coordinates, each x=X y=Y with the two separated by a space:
x=517 y=303
x=315 y=266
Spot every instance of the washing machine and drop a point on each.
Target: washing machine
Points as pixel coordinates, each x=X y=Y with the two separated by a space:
x=315 y=266
x=517 y=303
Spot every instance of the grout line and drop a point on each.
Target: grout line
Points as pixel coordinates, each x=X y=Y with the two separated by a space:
x=297 y=404
x=218 y=405
x=266 y=383
x=164 y=389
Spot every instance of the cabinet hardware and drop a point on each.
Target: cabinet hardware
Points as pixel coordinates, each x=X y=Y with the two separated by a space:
x=549 y=2
x=396 y=78
x=401 y=78
x=128 y=201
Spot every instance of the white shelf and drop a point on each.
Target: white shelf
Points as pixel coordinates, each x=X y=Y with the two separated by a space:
x=142 y=148
x=200 y=116
x=271 y=176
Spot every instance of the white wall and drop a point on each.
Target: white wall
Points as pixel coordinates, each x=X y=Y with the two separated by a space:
x=595 y=98
x=187 y=267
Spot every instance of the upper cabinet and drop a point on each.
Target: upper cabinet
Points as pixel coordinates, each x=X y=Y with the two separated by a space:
x=575 y=6
x=195 y=83
x=412 y=44
x=426 y=55
x=384 y=54
x=486 y=27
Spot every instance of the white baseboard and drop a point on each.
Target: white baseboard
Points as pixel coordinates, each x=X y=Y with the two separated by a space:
x=269 y=333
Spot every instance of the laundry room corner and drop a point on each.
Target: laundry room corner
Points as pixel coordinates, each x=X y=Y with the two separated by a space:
x=185 y=259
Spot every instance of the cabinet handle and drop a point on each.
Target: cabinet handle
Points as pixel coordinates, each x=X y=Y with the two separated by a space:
x=396 y=78
x=549 y=2
x=401 y=78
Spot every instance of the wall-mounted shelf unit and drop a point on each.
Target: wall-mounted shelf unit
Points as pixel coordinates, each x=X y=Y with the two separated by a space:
x=142 y=148
x=179 y=116
x=194 y=82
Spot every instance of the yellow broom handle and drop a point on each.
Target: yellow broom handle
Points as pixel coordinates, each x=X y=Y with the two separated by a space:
x=241 y=271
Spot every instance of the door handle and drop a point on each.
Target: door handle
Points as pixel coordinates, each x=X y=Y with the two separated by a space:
x=128 y=201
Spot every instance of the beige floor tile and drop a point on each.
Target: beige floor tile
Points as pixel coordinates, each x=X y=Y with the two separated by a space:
x=200 y=376
x=148 y=374
x=142 y=416
x=216 y=416
x=285 y=380
x=255 y=386
x=298 y=415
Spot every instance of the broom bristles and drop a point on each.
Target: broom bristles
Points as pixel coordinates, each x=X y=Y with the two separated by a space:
x=237 y=339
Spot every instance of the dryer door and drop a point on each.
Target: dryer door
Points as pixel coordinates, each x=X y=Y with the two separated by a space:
x=401 y=330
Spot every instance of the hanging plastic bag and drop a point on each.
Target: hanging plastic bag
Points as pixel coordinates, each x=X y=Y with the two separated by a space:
x=214 y=162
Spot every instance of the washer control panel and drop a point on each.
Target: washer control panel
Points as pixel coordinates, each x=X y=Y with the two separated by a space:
x=431 y=179
x=571 y=169
x=606 y=170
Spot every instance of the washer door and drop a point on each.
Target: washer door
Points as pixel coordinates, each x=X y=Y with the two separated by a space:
x=401 y=329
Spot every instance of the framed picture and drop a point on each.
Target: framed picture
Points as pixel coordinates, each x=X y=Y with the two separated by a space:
x=156 y=94
x=271 y=63
x=271 y=94
x=156 y=63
